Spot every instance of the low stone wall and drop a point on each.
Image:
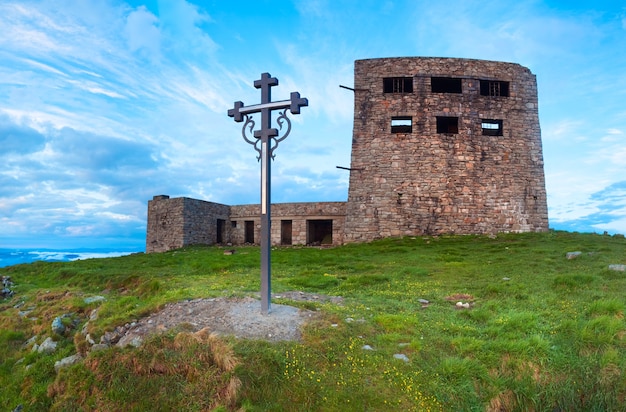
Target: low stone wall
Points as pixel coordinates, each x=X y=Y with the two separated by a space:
x=298 y=213
x=174 y=223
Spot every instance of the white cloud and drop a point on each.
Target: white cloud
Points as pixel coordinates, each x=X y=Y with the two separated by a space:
x=119 y=217
x=182 y=22
x=142 y=32
x=87 y=230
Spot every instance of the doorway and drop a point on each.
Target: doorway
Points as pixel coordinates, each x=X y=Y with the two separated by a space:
x=285 y=232
x=249 y=231
x=319 y=232
x=221 y=228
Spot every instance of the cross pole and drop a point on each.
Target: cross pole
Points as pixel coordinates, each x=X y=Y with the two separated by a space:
x=268 y=139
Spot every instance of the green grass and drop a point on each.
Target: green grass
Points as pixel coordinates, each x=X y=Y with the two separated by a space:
x=543 y=332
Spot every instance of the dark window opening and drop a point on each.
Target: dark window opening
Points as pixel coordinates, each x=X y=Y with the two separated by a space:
x=249 y=232
x=398 y=85
x=447 y=124
x=491 y=127
x=221 y=230
x=445 y=85
x=402 y=124
x=285 y=232
x=319 y=232
x=494 y=88
x=233 y=224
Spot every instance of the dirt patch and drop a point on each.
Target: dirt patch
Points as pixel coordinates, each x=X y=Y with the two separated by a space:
x=240 y=317
x=459 y=297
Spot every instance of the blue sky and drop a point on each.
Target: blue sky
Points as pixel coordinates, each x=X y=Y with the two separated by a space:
x=106 y=103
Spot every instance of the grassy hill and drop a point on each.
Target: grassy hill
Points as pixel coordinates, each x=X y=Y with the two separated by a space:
x=542 y=332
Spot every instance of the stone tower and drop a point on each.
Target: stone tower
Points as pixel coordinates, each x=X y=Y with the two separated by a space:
x=444 y=145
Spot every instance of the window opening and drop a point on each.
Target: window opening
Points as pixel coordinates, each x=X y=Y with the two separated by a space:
x=402 y=124
x=398 y=85
x=445 y=85
x=285 y=232
x=447 y=124
x=319 y=232
x=491 y=127
x=494 y=88
x=249 y=231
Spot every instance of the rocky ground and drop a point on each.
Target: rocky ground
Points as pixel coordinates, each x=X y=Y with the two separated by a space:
x=240 y=317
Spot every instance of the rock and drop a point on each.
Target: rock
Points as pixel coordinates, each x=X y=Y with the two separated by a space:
x=6 y=291
x=401 y=356
x=506 y=279
x=18 y=408
x=619 y=268
x=349 y=320
x=134 y=341
x=573 y=255
x=30 y=342
x=94 y=299
x=110 y=338
x=423 y=301
x=65 y=362
x=93 y=315
x=57 y=326
x=48 y=346
x=367 y=347
x=99 y=346
x=24 y=313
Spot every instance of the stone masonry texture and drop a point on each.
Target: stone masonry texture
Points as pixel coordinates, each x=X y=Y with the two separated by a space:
x=178 y=222
x=430 y=182
x=439 y=146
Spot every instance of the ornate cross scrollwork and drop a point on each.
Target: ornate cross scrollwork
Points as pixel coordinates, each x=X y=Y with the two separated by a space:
x=242 y=113
x=249 y=126
x=284 y=128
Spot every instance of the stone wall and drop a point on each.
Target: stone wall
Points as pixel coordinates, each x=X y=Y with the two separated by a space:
x=174 y=223
x=177 y=222
x=423 y=178
x=300 y=215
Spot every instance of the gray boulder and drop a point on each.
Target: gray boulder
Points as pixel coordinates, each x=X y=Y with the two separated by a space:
x=573 y=255
x=401 y=356
x=57 y=326
x=48 y=346
x=65 y=362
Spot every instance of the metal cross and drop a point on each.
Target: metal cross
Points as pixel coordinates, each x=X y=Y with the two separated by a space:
x=268 y=139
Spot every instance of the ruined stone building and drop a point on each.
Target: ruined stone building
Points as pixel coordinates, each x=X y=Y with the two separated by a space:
x=439 y=145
